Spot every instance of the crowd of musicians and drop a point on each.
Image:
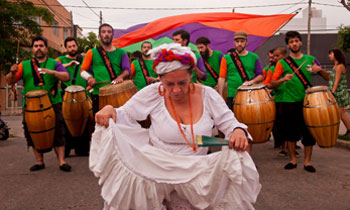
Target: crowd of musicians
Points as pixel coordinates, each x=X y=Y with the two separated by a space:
x=288 y=75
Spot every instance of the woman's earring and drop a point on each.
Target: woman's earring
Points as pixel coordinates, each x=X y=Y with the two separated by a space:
x=161 y=90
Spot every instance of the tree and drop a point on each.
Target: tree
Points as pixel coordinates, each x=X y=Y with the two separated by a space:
x=18 y=25
x=346 y=4
x=88 y=42
x=344 y=38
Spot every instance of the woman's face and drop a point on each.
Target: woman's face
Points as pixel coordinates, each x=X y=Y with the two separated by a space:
x=331 y=56
x=176 y=83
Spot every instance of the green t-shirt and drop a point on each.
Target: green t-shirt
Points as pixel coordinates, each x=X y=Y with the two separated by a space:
x=294 y=90
x=233 y=78
x=71 y=69
x=100 y=70
x=50 y=80
x=139 y=79
x=214 y=61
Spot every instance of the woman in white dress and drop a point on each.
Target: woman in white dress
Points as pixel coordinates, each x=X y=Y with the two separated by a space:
x=162 y=167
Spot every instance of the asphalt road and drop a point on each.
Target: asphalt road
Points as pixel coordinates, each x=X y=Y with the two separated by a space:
x=328 y=188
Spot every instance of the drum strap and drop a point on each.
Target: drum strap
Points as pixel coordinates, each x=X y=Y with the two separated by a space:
x=107 y=63
x=301 y=76
x=211 y=70
x=144 y=69
x=38 y=80
x=239 y=65
x=79 y=59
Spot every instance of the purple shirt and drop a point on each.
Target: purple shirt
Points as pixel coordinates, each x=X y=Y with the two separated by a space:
x=201 y=67
x=125 y=64
x=258 y=68
x=59 y=67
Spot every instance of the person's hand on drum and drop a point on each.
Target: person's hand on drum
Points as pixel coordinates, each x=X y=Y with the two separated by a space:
x=238 y=140
x=118 y=80
x=248 y=83
x=102 y=117
x=91 y=81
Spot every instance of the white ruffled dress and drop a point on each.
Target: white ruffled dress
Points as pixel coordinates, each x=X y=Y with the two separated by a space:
x=155 y=168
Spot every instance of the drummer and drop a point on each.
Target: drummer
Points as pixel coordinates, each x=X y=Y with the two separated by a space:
x=72 y=62
x=141 y=68
x=182 y=37
x=296 y=81
x=212 y=59
x=43 y=72
x=249 y=73
x=109 y=64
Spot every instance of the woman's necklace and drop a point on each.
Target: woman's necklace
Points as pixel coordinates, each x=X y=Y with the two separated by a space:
x=193 y=145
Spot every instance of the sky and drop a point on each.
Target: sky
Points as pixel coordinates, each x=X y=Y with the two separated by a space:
x=122 y=14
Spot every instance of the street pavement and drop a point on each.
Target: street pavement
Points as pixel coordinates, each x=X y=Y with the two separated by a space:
x=328 y=188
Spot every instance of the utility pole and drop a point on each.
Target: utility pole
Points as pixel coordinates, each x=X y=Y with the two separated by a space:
x=309 y=28
x=100 y=17
x=72 y=32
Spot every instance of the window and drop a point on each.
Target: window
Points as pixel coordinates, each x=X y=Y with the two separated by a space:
x=55 y=28
x=65 y=33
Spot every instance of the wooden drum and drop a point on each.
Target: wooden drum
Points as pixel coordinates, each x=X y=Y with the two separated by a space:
x=75 y=109
x=254 y=107
x=40 y=118
x=116 y=95
x=321 y=115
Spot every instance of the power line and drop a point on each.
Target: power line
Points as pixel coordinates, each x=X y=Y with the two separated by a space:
x=172 y=8
x=90 y=8
x=56 y=14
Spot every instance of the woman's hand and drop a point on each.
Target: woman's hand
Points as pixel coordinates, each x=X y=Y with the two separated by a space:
x=102 y=117
x=238 y=140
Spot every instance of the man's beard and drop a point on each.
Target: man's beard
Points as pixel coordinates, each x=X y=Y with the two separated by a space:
x=295 y=51
x=106 y=42
x=146 y=55
x=205 y=54
x=240 y=51
x=39 y=55
x=73 y=53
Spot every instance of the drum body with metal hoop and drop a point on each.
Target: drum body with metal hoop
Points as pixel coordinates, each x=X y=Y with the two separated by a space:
x=255 y=107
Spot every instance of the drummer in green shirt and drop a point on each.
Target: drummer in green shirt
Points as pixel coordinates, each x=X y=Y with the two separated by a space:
x=141 y=68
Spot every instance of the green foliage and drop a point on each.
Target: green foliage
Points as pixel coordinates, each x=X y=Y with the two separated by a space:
x=17 y=24
x=344 y=38
x=87 y=43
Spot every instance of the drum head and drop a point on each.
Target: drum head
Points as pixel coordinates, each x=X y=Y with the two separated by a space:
x=317 y=89
x=252 y=87
x=74 y=89
x=35 y=93
x=118 y=88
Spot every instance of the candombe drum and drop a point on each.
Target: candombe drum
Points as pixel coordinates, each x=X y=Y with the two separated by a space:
x=255 y=107
x=40 y=118
x=75 y=109
x=116 y=95
x=321 y=115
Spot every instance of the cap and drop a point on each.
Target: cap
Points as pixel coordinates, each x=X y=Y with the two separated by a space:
x=240 y=35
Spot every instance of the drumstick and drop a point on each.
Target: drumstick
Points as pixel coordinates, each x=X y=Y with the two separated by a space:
x=299 y=67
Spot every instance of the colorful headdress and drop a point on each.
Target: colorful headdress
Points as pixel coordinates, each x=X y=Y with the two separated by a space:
x=171 y=57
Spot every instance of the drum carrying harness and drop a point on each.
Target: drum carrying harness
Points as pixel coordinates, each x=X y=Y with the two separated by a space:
x=107 y=63
x=240 y=68
x=301 y=76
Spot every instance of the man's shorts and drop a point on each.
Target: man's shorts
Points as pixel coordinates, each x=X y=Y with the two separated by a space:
x=293 y=124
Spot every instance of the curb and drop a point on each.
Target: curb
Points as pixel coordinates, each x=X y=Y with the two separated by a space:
x=343 y=144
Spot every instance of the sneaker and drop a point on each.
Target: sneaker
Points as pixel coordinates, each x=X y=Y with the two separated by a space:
x=283 y=153
x=37 y=167
x=297 y=154
x=65 y=167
